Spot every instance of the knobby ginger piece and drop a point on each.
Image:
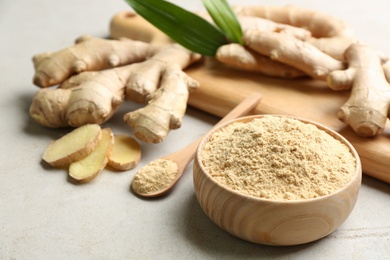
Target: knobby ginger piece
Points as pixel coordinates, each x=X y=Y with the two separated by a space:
x=125 y=154
x=87 y=54
x=91 y=97
x=154 y=75
x=240 y=57
x=293 y=52
x=367 y=109
x=89 y=167
x=167 y=103
x=318 y=23
x=73 y=146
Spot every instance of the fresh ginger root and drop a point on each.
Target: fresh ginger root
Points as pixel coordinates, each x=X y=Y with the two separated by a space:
x=319 y=24
x=294 y=52
x=90 y=166
x=159 y=80
x=125 y=154
x=242 y=58
x=367 y=109
x=329 y=34
x=94 y=96
x=165 y=109
x=88 y=54
x=330 y=53
x=287 y=42
x=260 y=24
x=73 y=146
x=167 y=104
x=89 y=97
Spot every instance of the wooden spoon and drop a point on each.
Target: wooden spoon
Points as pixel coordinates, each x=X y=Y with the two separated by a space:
x=151 y=180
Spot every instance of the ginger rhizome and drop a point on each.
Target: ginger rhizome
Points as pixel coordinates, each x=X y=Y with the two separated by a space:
x=288 y=42
x=367 y=109
x=327 y=51
x=88 y=54
x=153 y=75
x=166 y=104
x=329 y=34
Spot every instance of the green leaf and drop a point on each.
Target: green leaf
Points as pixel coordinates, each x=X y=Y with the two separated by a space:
x=224 y=18
x=182 y=26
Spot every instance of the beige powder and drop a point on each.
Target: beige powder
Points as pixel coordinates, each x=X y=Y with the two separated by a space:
x=278 y=158
x=155 y=176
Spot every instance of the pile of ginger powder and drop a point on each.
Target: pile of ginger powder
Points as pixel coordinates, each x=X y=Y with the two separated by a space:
x=278 y=158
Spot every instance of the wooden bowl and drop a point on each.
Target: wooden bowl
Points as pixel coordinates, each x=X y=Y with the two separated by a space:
x=269 y=221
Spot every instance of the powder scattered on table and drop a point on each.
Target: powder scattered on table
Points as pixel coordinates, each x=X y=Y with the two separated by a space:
x=278 y=158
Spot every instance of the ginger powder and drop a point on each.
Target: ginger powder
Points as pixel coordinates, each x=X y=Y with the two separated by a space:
x=278 y=158
x=155 y=176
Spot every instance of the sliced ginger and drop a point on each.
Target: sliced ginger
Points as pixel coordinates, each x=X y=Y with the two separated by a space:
x=89 y=167
x=126 y=153
x=87 y=150
x=73 y=146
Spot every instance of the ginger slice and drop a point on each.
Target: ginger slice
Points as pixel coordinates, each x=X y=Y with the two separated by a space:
x=89 y=167
x=73 y=146
x=125 y=154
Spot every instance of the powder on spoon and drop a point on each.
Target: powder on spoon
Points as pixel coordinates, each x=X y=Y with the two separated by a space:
x=155 y=176
x=278 y=158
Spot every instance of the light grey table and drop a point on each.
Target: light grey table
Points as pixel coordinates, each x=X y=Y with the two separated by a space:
x=44 y=216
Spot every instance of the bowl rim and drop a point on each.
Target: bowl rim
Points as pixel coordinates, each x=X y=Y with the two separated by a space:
x=357 y=177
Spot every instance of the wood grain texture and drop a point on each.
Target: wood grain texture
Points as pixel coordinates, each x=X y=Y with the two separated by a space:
x=222 y=88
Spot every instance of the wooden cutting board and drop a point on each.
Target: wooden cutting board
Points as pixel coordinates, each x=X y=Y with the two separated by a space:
x=222 y=88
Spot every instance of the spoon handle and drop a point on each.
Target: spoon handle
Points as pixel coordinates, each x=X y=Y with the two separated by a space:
x=187 y=154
